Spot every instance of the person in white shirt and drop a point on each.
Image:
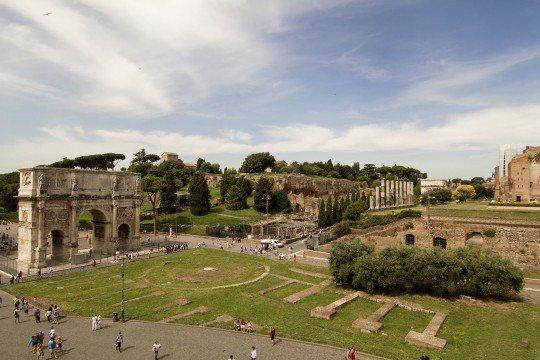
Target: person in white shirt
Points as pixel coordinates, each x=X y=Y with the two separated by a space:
x=253 y=353
x=155 y=349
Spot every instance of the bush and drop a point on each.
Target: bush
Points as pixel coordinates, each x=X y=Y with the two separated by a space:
x=408 y=225
x=442 y=272
x=341 y=229
x=490 y=232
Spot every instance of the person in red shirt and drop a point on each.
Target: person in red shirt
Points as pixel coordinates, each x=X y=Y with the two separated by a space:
x=353 y=353
x=273 y=335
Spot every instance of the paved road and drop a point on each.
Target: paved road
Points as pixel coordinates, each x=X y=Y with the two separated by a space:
x=178 y=341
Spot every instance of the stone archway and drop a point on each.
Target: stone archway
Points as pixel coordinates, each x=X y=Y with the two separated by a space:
x=51 y=201
x=474 y=239
x=439 y=242
x=409 y=239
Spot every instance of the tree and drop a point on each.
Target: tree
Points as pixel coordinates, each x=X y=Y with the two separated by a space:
x=98 y=161
x=321 y=221
x=236 y=198
x=257 y=163
x=199 y=194
x=142 y=162
x=280 y=201
x=337 y=210
x=436 y=196
x=153 y=185
x=263 y=193
x=464 y=192
x=168 y=197
x=9 y=188
x=353 y=211
x=330 y=212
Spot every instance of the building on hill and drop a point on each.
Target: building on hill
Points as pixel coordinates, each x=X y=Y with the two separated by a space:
x=171 y=156
x=430 y=184
x=520 y=182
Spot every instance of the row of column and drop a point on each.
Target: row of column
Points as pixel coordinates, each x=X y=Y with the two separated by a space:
x=392 y=193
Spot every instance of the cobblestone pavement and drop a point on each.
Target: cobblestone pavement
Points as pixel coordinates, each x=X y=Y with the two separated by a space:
x=178 y=341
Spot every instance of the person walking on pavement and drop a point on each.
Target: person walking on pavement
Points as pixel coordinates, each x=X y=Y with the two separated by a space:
x=37 y=314
x=119 y=340
x=253 y=353
x=155 y=349
x=273 y=335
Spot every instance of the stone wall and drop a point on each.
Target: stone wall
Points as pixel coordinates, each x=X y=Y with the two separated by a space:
x=305 y=192
x=518 y=241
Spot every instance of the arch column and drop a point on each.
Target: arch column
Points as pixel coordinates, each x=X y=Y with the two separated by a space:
x=73 y=229
x=40 y=252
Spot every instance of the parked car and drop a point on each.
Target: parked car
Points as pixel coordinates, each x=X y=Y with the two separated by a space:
x=273 y=242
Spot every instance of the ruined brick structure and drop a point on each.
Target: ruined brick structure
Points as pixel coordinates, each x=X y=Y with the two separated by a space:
x=522 y=181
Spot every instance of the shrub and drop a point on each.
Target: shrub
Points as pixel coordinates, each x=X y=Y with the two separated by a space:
x=341 y=229
x=490 y=232
x=408 y=225
x=442 y=272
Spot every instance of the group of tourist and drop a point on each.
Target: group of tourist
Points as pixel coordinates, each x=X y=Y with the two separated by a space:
x=243 y=326
x=54 y=344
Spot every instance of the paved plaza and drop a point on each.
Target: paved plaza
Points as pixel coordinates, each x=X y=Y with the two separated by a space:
x=178 y=341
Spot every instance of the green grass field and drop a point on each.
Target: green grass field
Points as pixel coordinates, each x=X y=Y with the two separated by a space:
x=474 y=330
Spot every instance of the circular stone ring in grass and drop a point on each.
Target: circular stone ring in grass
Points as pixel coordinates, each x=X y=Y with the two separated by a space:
x=197 y=272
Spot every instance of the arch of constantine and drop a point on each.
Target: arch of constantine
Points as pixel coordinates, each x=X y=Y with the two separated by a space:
x=51 y=201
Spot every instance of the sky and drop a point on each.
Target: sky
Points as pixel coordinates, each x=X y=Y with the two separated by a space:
x=434 y=85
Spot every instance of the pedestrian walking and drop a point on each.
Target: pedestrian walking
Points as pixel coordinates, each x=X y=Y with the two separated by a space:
x=50 y=271
x=52 y=333
x=59 y=345
x=231 y=358
x=155 y=349
x=353 y=353
x=94 y=322
x=253 y=353
x=17 y=316
x=37 y=315
x=273 y=335
x=119 y=340
x=39 y=274
x=52 y=348
x=39 y=351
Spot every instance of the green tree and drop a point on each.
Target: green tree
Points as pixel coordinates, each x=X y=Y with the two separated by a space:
x=153 y=185
x=464 y=192
x=321 y=220
x=329 y=212
x=263 y=194
x=9 y=188
x=257 y=163
x=199 y=194
x=337 y=210
x=280 y=201
x=168 y=197
x=353 y=211
x=236 y=198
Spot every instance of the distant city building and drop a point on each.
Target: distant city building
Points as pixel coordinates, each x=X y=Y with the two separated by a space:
x=520 y=182
x=430 y=184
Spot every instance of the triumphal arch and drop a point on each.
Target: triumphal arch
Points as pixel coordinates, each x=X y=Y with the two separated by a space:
x=51 y=201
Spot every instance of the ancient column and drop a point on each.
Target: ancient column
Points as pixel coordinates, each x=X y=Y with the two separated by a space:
x=40 y=259
x=377 y=197
x=73 y=229
x=383 y=193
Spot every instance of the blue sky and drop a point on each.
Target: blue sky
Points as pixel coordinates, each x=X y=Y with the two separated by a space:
x=435 y=85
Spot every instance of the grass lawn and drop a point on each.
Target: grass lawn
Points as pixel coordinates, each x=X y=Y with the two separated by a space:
x=474 y=330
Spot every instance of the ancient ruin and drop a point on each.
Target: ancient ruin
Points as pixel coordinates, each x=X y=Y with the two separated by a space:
x=52 y=200
x=392 y=194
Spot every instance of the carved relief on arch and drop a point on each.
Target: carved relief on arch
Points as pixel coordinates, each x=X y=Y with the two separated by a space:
x=56 y=217
x=125 y=212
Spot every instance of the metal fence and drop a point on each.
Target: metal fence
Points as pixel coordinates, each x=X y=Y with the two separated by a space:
x=8 y=265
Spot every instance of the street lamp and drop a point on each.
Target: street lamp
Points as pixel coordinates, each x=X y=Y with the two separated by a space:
x=176 y=217
x=122 y=318
x=428 y=219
